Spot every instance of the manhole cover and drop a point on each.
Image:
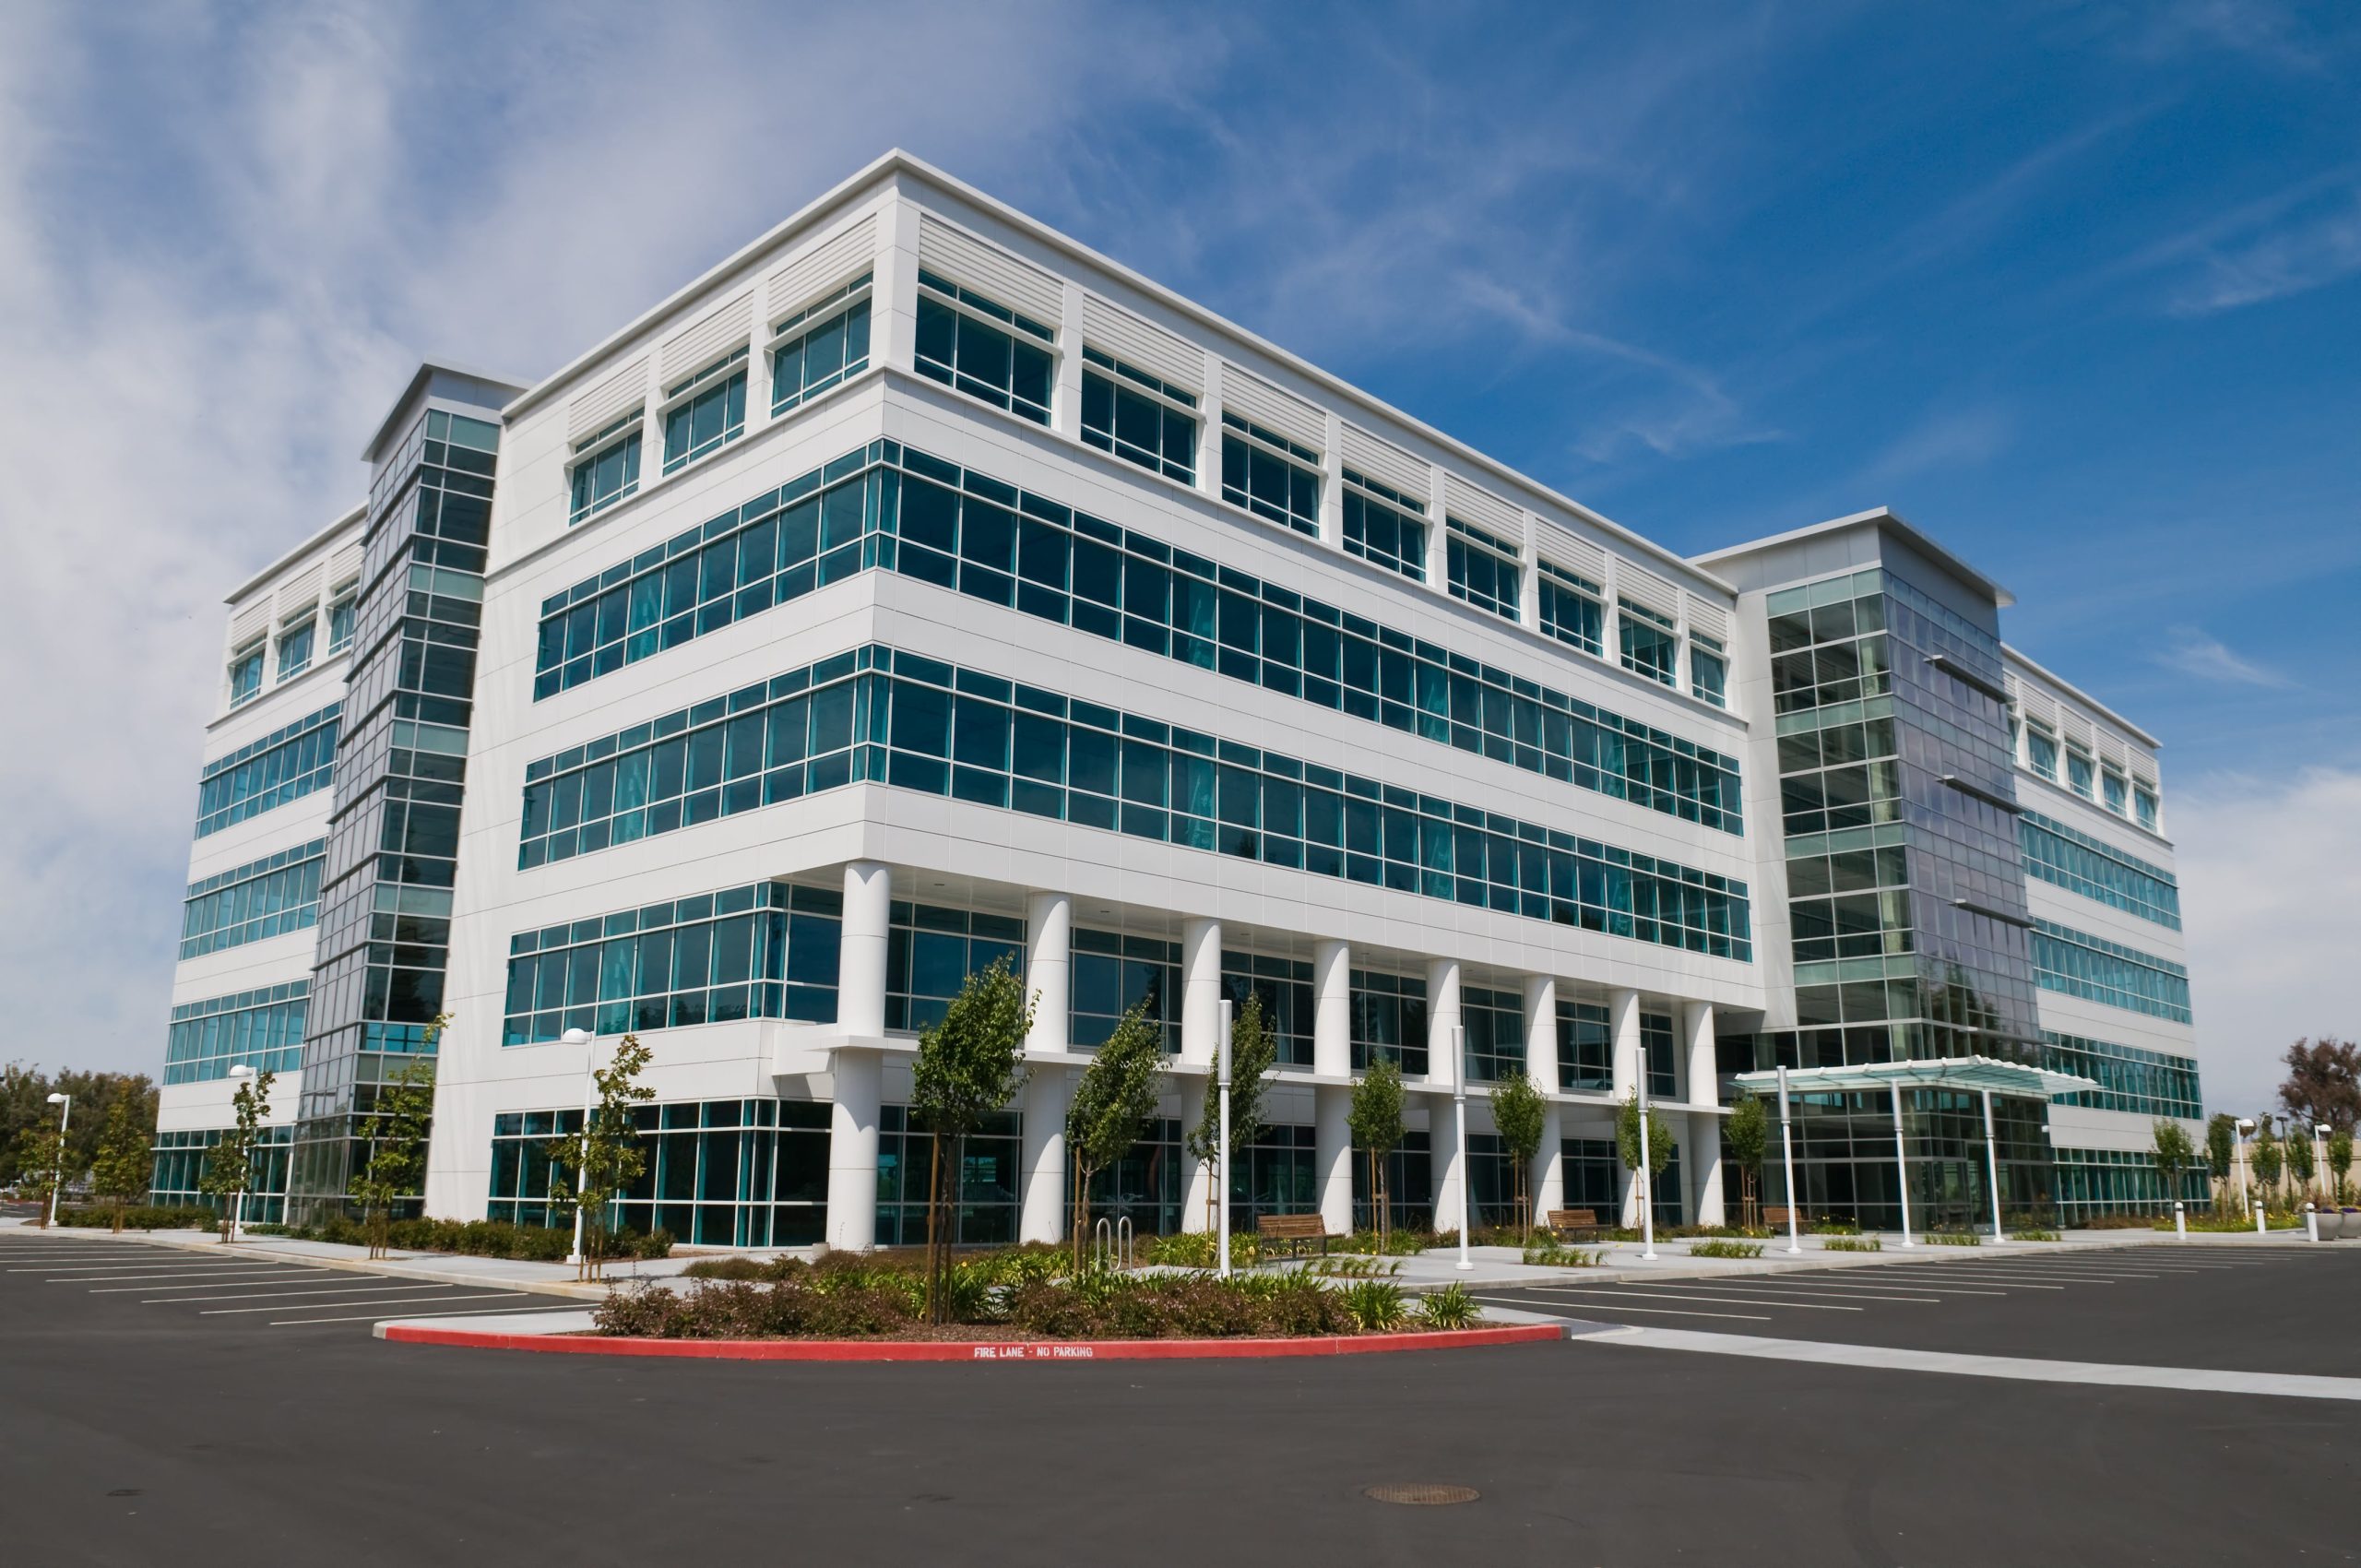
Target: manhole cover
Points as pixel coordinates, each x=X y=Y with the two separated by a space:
x=1420 y=1494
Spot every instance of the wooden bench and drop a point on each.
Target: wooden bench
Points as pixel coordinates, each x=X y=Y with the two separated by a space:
x=1294 y=1229
x=1776 y=1219
x=1576 y=1224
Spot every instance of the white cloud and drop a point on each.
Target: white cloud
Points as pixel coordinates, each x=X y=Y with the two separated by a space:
x=1963 y=438
x=2320 y=246
x=2272 y=922
x=2197 y=653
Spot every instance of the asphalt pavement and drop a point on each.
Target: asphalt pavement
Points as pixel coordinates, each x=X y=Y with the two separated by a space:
x=145 y=1430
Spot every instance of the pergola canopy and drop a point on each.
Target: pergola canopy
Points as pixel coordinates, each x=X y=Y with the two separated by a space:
x=1943 y=1073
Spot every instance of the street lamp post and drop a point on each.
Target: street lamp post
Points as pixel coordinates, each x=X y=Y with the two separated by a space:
x=239 y=1071
x=1788 y=1156
x=1459 y=1108
x=2246 y=1126
x=64 y=1103
x=1992 y=1166
x=2319 y=1158
x=1640 y=1174
x=581 y=1169
x=1221 y=1164
x=1900 y=1164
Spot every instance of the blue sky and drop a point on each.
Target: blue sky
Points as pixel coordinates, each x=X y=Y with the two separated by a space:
x=2076 y=287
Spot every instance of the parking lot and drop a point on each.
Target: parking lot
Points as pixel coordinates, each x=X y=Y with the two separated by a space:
x=119 y=1282
x=2275 y=1308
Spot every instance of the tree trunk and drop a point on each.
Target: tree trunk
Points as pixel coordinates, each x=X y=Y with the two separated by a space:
x=933 y=1226
x=1081 y=1210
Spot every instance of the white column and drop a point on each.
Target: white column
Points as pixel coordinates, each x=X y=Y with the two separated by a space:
x=1528 y=596
x=860 y=973
x=1332 y=1057
x=1705 y=1131
x=1623 y=1018
x=1442 y=1071
x=852 y=1150
x=1332 y=486
x=1548 y=1179
x=1209 y=432
x=1438 y=553
x=1048 y=964
x=1065 y=402
x=893 y=310
x=1200 y=1036
x=1043 y=1217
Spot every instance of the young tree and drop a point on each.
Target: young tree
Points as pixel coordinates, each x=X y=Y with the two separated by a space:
x=2323 y=1083
x=1519 y=1116
x=970 y=1065
x=2221 y=1154
x=1747 y=1129
x=1113 y=1102
x=1627 y=1141
x=1376 y=1120
x=120 y=1170
x=38 y=1150
x=2339 y=1162
x=2175 y=1154
x=605 y=1156
x=230 y=1164
x=1253 y=1052
x=400 y=1121
x=2300 y=1164
x=2268 y=1157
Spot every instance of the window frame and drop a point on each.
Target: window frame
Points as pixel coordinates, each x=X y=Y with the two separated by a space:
x=981 y=308
x=345 y=598
x=628 y=431
x=684 y=395
x=307 y=625
x=1119 y=378
x=1358 y=487
x=1551 y=579
x=797 y=327
x=1294 y=456
x=2083 y=780
x=1465 y=537
x=2039 y=738
x=253 y=653
x=1711 y=651
x=1629 y=616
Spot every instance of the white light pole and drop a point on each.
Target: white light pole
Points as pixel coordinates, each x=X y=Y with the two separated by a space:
x=64 y=1103
x=2319 y=1158
x=1992 y=1166
x=240 y=1070
x=1459 y=1106
x=2246 y=1126
x=582 y=1171
x=1641 y=1174
x=1900 y=1164
x=1221 y=1164
x=1788 y=1155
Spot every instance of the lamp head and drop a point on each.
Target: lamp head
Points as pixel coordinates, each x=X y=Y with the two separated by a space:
x=240 y=1070
x=575 y=1037
x=2246 y=1123
x=59 y=1099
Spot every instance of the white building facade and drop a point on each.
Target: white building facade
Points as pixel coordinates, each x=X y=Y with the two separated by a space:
x=920 y=588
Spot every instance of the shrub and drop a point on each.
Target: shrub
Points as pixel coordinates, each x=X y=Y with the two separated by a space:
x=1376 y=1304
x=145 y=1217
x=2033 y=1235
x=1835 y=1228
x=1451 y=1307
x=1549 y=1254
x=1852 y=1244
x=1726 y=1250
x=1953 y=1239
x=744 y=1268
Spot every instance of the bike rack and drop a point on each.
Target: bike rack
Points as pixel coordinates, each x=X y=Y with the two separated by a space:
x=1110 y=1243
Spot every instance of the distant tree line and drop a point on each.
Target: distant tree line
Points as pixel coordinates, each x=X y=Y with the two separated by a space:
x=25 y=1107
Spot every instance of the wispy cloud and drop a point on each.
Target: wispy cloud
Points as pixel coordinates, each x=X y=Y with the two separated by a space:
x=2315 y=248
x=1952 y=439
x=2197 y=653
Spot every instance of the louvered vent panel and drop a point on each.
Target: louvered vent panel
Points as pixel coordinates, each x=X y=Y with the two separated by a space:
x=594 y=410
x=344 y=566
x=963 y=258
x=1569 y=550
x=1143 y=345
x=720 y=333
x=2039 y=707
x=1387 y=463
x=1637 y=585
x=1251 y=398
x=1706 y=616
x=2111 y=750
x=834 y=262
x=247 y=623
x=1481 y=507
x=2077 y=728
x=299 y=592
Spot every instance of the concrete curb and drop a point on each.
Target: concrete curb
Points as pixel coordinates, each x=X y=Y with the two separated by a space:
x=973 y=1351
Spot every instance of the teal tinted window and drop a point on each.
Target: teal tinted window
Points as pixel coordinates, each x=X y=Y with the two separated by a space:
x=930 y=953
x=340 y=622
x=1650 y=646
x=1140 y=417
x=705 y=411
x=766 y=951
x=905 y=511
x=2143 y=802
x=1571 y=607
x=2081 y=964
x=295 y=646
x=1493 y=1026
x=1385 y=526
x=819 y=346
x=2116 y=792
x=973 y=343
x=245 y=674
x=715 y=1173
x=2143 y=1083
x=1709 y=671
x=285 y=764
x=2080 y=773
x=1284 y=987
x=606 y=469
x=1389 y=1019
x=2075 y=860
x=2043 y=752
x=1585 y=1047
x=263 y=1029
x=1484 y=570
x=879 y=716
x=1109 y=973
x=1275 y=479
x=253 y=902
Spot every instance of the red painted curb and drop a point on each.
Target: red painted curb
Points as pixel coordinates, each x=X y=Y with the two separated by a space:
x=973 y=1351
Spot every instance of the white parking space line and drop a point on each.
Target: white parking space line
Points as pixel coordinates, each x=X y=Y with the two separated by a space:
x=1905 y=1282
x=1677 y=1293
x=1653 y=1311
x=265 y=1295
x=2060 y=1277
x=208 y=1283
x=1928 y=1276
x=1841 y=1292
x=382 y=1301
x=384 y=1317
x=164 y=1274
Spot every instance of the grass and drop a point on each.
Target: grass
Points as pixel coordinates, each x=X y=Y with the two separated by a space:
x=1953 y=1239
x=2033 y=1236
x=1720 y=1249
x=1852 y=1244
x=1550 y=1254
